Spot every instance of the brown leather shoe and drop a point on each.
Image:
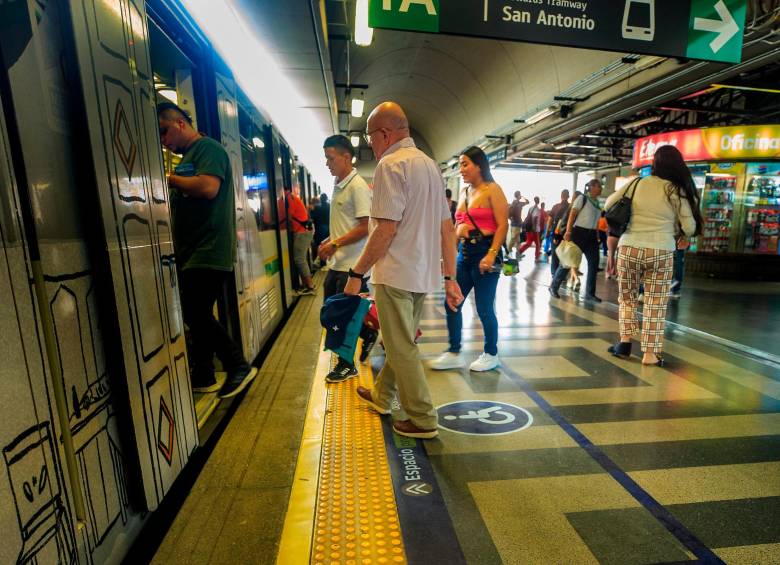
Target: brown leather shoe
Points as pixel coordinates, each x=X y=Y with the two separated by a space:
x=408 y=429
x=364 y=395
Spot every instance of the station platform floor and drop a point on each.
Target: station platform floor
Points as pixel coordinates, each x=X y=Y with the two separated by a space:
x=747 y=311
x=562 y=455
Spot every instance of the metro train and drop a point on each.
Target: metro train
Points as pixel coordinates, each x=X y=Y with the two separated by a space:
x=97 y=415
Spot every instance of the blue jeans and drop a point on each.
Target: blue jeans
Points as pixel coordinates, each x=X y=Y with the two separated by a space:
x=679 y=270
x=484 y=285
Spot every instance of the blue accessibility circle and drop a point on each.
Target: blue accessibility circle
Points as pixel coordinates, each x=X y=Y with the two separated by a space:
x=483 y=417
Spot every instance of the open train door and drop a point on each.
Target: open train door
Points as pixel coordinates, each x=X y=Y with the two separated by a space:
x=111 y=42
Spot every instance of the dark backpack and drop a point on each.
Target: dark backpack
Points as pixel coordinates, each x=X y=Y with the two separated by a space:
x=564 y=218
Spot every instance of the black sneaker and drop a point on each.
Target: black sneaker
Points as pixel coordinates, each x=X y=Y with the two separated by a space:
x=341 y=373
x=237 y=381
x=593 y=298
x=204 y=384
x=368 y=344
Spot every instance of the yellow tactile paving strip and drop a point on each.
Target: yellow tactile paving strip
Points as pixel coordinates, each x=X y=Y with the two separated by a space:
x=356 y=518
x=342 y=499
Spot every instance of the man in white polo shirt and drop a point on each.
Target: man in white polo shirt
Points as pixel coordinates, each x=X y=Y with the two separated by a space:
x=350 y=208
x=411 y=246
x=582 y=230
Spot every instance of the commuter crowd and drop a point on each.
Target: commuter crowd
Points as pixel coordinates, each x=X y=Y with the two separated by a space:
x=407 y=237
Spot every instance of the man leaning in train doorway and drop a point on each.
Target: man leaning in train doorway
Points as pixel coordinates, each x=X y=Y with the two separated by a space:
x=203 y=212
x=349 y=211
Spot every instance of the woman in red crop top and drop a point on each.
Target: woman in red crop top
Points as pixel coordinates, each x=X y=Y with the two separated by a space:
x=481 y=224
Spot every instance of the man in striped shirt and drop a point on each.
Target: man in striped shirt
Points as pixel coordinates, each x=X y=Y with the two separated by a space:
x=411 y=232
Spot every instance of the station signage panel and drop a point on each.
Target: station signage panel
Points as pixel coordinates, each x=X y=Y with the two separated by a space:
x=713 y=144
x=710 y=30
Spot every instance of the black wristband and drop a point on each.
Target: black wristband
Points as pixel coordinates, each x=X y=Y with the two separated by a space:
x=353 y=275
x=449 y=278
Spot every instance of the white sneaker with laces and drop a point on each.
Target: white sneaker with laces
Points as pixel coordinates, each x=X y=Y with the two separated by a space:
x=447 y=360
x=485 y=362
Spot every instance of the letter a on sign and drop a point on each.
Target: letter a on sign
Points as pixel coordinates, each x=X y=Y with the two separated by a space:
x=412 y=15
x=429 y=7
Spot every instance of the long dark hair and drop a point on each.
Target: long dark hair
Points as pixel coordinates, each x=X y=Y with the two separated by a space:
x=479 y=158
x=668 y=164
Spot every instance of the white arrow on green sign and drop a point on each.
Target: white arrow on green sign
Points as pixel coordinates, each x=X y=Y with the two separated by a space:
x=715 y=32
x=710 y=30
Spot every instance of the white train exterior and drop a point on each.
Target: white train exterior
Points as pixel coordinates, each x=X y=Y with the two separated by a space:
x=97 y=417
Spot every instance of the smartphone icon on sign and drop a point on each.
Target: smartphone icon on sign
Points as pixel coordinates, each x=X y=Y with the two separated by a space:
x=639 y=20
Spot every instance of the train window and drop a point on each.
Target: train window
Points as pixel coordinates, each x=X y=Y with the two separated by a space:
x=174 y=74
x=253 y=155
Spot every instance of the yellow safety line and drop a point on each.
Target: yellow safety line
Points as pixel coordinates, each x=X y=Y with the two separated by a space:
x=295 y=543
x=355 y=520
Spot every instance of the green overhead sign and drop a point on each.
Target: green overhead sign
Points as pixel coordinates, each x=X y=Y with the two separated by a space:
x=710 y=30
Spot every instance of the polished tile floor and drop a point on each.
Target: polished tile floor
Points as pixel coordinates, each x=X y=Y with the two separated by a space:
x=566 y=454
x=621 y=463
x=563 y=455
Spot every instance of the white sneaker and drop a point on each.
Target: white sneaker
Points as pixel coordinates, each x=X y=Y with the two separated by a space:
x=485 y=362
x=447 y=360
x=641 y=298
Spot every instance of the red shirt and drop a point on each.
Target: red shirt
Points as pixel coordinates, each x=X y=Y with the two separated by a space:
x=296 y=209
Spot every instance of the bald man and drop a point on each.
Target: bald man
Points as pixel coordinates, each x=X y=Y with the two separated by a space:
x=410 y=232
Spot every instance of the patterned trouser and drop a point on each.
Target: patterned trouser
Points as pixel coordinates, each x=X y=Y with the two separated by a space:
x=654 y=268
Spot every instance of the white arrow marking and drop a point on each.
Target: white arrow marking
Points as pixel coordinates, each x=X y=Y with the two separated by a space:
x=726 y=27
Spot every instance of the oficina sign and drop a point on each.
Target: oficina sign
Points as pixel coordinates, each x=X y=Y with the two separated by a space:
x=713 y=144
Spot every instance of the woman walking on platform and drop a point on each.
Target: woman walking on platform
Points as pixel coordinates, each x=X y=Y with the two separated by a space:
x=481 y=226
x=664 y=209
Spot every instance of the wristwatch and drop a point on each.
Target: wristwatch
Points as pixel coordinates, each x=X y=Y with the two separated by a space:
x=449 y=278
x=335 y=245
x=353 y=275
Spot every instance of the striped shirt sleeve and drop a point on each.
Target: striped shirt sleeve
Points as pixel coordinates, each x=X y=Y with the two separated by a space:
x=390 y=198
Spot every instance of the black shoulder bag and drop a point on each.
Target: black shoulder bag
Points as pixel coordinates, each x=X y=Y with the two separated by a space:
x=619 y=216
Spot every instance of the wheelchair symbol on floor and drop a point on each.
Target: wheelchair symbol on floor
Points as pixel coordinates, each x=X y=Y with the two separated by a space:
x=483 y=417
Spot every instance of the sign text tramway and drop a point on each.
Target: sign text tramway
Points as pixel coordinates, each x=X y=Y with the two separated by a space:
x=710 y=30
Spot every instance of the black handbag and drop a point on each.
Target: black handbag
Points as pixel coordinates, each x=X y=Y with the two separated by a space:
x=619 y=215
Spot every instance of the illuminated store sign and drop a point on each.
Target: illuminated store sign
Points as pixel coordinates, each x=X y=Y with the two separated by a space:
x=713 y=144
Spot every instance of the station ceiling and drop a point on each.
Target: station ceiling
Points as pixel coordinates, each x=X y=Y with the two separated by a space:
x=458 y=91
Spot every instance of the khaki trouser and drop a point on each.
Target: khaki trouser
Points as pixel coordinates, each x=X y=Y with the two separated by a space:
x=403 y=374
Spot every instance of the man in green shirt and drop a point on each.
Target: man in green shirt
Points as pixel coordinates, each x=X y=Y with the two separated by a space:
x=203 y=211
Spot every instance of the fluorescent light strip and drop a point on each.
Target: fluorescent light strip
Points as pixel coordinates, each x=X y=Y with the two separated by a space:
x=358 y=104
x=245 y=53
x=363 y=34
x=540 y=115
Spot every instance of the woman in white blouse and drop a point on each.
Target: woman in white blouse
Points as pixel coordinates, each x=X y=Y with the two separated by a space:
x=665 y=208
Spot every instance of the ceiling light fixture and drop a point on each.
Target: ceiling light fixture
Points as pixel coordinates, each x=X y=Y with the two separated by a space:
x=169 y=94
x=257 y=142
x=540 y=115
x=358 y=104
x=363 y=34
x=355 y=140
x=642 y=122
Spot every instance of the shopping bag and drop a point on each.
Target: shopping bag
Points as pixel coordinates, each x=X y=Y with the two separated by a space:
x=569 y=254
